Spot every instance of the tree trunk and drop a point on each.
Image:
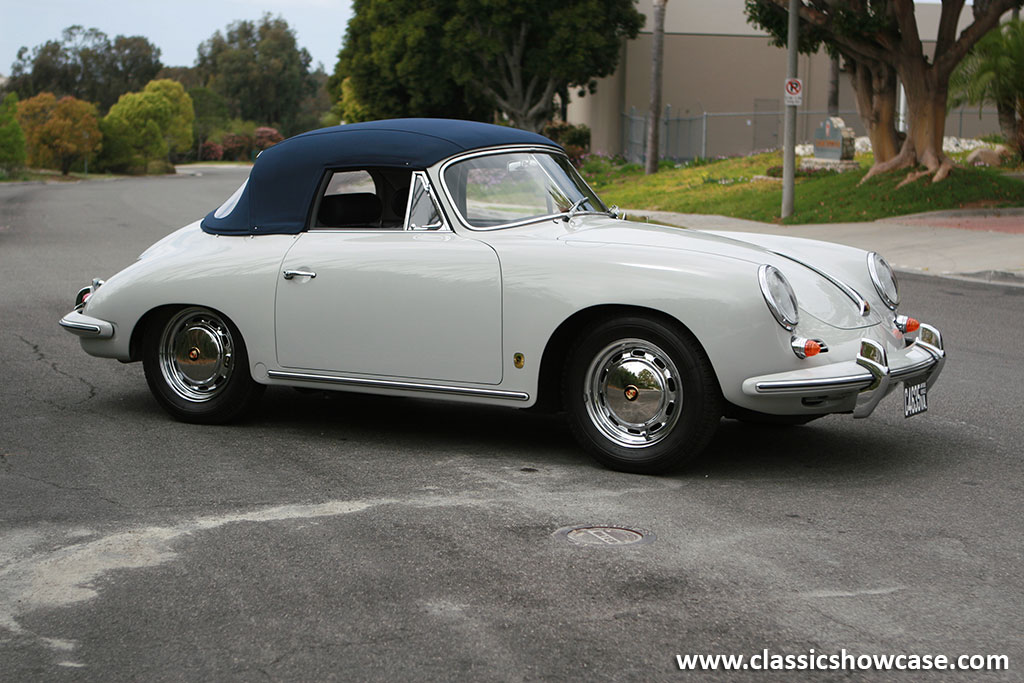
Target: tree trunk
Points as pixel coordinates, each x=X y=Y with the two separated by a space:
x=926 y=120
x=874 y=86
x=1007 y=121
x=833 y=87
x=654 y=117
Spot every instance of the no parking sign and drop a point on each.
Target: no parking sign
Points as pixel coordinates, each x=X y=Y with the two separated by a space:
x=794 y=92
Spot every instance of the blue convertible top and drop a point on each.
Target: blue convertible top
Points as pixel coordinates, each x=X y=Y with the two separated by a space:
x=285 y=178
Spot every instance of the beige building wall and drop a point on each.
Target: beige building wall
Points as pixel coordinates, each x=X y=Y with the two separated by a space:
x=715 y=62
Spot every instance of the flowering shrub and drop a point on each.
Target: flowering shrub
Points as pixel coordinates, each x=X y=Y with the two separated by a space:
x=265 y=136
x=211 y=151
x=236 y=147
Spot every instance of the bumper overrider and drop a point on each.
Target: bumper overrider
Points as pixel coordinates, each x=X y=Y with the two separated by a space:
x=869 y=377
x=81 y=325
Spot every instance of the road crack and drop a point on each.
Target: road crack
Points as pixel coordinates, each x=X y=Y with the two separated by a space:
x=56 y=485
x=41 y=357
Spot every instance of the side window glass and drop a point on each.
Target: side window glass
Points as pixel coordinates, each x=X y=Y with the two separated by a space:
x=350 y=201
x=423 y=211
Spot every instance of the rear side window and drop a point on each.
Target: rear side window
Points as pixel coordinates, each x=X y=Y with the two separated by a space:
x=350 y=182
x=363 y=199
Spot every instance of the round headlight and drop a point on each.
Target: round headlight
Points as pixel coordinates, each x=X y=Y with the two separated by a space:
x=884 y=279
x=778 y=295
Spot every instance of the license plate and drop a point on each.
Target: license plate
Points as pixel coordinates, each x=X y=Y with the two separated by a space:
x=915 y=399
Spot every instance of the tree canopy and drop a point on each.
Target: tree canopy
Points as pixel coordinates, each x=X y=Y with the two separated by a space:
x=468 y=58
x=59 y=132
x=147 y=126
x=520 y=53
x=12 y=137
x=993 y=72
x=259 y=69
x=880 y=39
x=392 y=65
x=86 y=64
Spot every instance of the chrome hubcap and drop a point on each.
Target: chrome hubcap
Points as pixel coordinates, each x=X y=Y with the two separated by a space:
x=632 y=393
x=196 y=354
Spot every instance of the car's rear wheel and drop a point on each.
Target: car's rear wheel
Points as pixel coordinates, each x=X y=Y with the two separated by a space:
x=197 y=367
x=641 y=395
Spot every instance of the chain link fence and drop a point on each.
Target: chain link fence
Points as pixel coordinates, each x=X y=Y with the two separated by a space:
x=713 y=134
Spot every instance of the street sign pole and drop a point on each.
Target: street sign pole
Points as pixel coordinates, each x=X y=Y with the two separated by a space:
x=789 y=134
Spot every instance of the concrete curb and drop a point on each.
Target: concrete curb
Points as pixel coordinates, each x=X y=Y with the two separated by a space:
x=959 y=213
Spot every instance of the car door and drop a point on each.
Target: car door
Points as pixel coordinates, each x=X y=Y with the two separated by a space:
x=420 y=304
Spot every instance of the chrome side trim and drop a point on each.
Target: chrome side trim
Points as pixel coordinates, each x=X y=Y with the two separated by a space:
x=802 y=386
x=405 y=386
x=862 y=304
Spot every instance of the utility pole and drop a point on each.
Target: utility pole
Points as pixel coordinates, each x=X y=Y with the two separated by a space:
x=789 y=134
x=654 y=114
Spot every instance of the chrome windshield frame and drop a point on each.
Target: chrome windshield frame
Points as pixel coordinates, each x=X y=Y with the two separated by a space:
x=512 y=149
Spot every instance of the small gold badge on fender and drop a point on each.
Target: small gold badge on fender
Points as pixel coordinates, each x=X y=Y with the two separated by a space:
x=518 y=360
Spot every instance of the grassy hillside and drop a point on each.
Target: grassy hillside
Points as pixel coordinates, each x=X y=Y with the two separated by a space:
x=727 y=188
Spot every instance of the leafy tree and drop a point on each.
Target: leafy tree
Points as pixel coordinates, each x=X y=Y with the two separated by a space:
x=147 y=126
x=348 y=109
x=177 y=128
x=879 y=39
x=12 y=137
x=211 y=114
x=86 y=64
x=520 y=53
x=59 y=132
x=313 y=106
x=393 y=64
x=259 y=69
x=994 y=72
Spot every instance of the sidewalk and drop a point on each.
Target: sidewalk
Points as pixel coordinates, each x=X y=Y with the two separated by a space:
x=986 y=245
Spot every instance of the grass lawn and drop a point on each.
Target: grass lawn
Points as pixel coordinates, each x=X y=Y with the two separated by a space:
x=726 y=188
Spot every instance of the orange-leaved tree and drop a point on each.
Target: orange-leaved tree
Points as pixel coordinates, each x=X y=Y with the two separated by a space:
x=59 y=132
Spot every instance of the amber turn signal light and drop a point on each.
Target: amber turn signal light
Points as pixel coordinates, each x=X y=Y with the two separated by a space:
x=907 y=324
x=805 y=348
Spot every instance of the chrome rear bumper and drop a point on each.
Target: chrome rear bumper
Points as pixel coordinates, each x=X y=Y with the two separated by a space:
x=869 y=376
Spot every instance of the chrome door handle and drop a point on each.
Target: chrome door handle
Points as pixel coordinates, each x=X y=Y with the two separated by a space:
x=289 y=274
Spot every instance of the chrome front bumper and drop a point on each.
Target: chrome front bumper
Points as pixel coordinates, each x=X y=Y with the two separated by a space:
x=83 y=326
x=869 y=377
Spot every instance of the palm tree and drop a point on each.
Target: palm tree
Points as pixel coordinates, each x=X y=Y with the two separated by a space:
x=994 y=72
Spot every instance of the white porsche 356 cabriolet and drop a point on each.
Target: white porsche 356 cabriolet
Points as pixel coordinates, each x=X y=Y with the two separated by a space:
x=471 y=262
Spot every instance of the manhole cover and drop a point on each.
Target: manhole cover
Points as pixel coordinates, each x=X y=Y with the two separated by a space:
x=603 y=535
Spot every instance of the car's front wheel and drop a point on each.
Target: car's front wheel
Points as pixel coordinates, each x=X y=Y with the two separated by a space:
x=197 y=367
x=640 y=395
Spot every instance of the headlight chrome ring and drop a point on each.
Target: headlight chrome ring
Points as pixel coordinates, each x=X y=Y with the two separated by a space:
x=884 y=279
x=779 y=296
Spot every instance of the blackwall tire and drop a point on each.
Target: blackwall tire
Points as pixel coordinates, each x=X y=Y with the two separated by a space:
x=641 y=395
x=197 y=367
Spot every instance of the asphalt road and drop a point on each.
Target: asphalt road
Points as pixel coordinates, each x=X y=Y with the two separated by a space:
x=357 y=538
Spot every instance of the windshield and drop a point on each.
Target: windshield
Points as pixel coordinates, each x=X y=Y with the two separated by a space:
x=511 y=188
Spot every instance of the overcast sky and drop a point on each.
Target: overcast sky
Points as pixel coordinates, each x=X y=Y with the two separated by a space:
x=175 y=26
